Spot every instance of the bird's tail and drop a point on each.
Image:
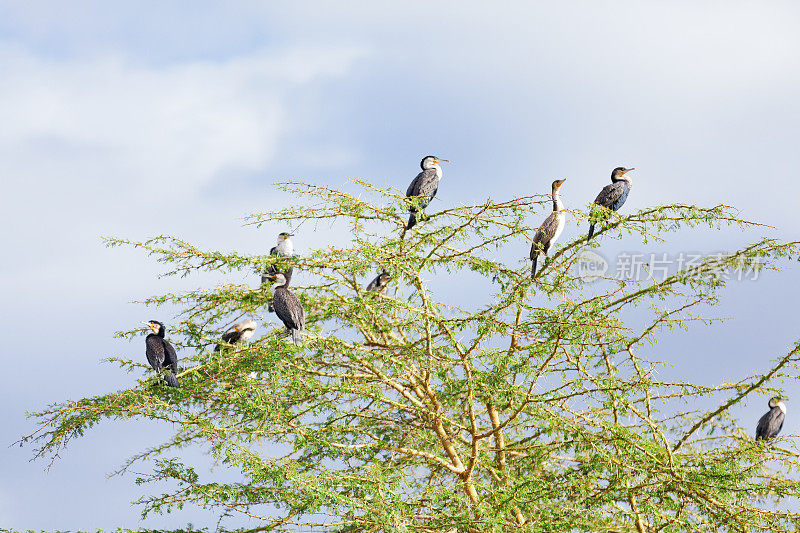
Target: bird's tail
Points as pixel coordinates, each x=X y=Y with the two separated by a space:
x=591 y=230
x=171 y=380
x=412 y=220
x=533 y=267
x=296 y=338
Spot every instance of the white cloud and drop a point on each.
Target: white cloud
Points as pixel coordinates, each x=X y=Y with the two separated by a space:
x=103 y=146
x=174 y=126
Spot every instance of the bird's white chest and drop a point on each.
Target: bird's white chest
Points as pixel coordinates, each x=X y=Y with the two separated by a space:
x=285 y=248
x=438 y=171
x=560 y=223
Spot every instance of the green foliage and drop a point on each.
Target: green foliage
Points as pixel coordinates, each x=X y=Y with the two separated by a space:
x=533 y=409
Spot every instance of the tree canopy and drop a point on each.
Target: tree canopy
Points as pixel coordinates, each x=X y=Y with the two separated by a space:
x=532 y=407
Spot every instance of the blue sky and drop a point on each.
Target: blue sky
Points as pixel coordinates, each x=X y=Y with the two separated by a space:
x=145 y=118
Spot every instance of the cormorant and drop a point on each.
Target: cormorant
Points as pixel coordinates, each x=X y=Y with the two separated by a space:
x=771 y=423
x=284 y=248
x=612 y=196
x=380 y=283
x=160 y=353
x=551 y=228
x=425 y=185
x=287 y=305
x=238 y=333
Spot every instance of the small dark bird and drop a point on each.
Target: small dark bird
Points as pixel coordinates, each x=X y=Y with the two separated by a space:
x=424 y=185
x=284 y=248
x=160 y=353
x=612 y=196
x=238 y=333
x=772 y=422
x=287 y=305
x=380 y=284
x=551 y=228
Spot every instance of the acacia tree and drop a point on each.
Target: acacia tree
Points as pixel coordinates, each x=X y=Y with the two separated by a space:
x=533 y=408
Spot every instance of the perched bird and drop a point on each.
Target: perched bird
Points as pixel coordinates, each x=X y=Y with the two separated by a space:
x=238 y=333
x=160 y=353
x=771 y=423
x=380 y=283
x=551 y=228
x=284 y=248
x=287 y=305
x=425 y=185
x=612 y=196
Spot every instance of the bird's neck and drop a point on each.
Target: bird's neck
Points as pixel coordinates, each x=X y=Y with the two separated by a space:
x=782 y=407
x=626 y=179
x=558 y=205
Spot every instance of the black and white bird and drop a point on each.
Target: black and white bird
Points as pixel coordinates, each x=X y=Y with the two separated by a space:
x=771 y=423
x=284 y=248
x=424 y=185
x=612 y=196
x=160 y=353
x=238 y=333
x=380 y=284
x=287 y=305
x=551 y=228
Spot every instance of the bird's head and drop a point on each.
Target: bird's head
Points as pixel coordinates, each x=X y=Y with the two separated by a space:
x=777 y=401
x=557 y=184
x=154 y=326
x=278 y=279
x=383 y=278
x=247 y=325
x=618 y=172
x=430 y=161
x=284 y=236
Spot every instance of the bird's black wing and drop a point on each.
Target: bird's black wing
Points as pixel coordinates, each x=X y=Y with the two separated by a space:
x=413 y=188
x=231 y=336
x=541 y=241
x=610 y=194
x=374 y=284
x=288 y=308
x=273 y=250
x=761 y=428
x=770 y=424
x=154 y=350
x=425 y=184
x=429 y=184
x=171 y=359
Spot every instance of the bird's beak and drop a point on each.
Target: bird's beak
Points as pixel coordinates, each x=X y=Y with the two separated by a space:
x=442 y=160
x=627 y=170
x=561 y=182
